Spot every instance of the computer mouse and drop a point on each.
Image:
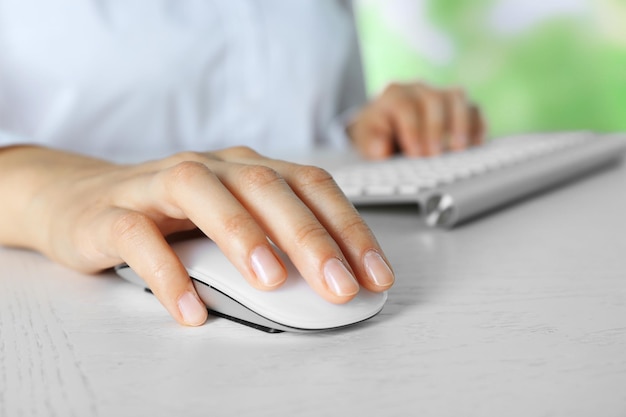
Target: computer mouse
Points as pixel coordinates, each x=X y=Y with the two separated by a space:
x=293 y=307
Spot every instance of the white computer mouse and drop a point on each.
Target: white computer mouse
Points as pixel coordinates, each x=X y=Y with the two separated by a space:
x=293 y=307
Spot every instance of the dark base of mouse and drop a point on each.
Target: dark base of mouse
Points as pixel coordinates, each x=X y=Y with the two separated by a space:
x=245 y=323
x=236 y=320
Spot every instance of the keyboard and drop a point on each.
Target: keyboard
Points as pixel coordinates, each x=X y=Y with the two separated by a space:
x=455 y=187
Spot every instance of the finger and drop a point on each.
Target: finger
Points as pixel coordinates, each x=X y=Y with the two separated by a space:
x=406 y=120
x=458 y=119
x=372 y=134
x=432 y=106
x=319 y=192
x=137 y=240
x=190 y=190
x=293 y=227
x=403 y=112
x=478 y=126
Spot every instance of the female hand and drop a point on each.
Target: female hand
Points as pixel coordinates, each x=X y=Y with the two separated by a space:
x=91 y=215
x=418 y=120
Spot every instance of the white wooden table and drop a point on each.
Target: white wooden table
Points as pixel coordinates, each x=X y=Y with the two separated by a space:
x=522 y=313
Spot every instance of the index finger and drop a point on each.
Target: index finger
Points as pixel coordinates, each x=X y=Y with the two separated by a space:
x=136 y=239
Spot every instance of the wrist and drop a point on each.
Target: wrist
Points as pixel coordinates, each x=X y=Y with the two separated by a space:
x=37 y=184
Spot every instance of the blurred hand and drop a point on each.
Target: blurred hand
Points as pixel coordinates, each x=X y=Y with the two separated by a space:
x=416 y=120
x=91 y=215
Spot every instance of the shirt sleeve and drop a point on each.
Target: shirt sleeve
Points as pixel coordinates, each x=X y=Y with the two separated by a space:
x=10 y=139
x=352 y=92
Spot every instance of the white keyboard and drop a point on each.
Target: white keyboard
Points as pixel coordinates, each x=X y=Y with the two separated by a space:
x=457 y=186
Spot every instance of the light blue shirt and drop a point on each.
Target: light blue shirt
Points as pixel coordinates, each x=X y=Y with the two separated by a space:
x=146 y=78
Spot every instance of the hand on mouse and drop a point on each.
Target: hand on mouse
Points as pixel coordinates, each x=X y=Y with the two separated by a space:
x=90 y=215
x=418 y=120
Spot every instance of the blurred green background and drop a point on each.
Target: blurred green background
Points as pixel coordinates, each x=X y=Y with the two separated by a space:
x=532 y=65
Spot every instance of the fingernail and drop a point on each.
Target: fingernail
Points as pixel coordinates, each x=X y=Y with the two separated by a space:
x=378 y=270
x=193 y=311
x=339 y=279
x=266 y=267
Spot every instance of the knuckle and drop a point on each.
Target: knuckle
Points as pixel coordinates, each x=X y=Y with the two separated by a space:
x=186 y=156
x=130 y=225
x=308 y=233
x=393 y=89
x=179 y=179
x=161 y=272
x=422 y=86
x=238 y=225
x=356 y=226
x=307 y=176
x=405 y=107
x=457 y=93
x=244 y=152
x=184 y=173
x=258 y=176
x=457 y=96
